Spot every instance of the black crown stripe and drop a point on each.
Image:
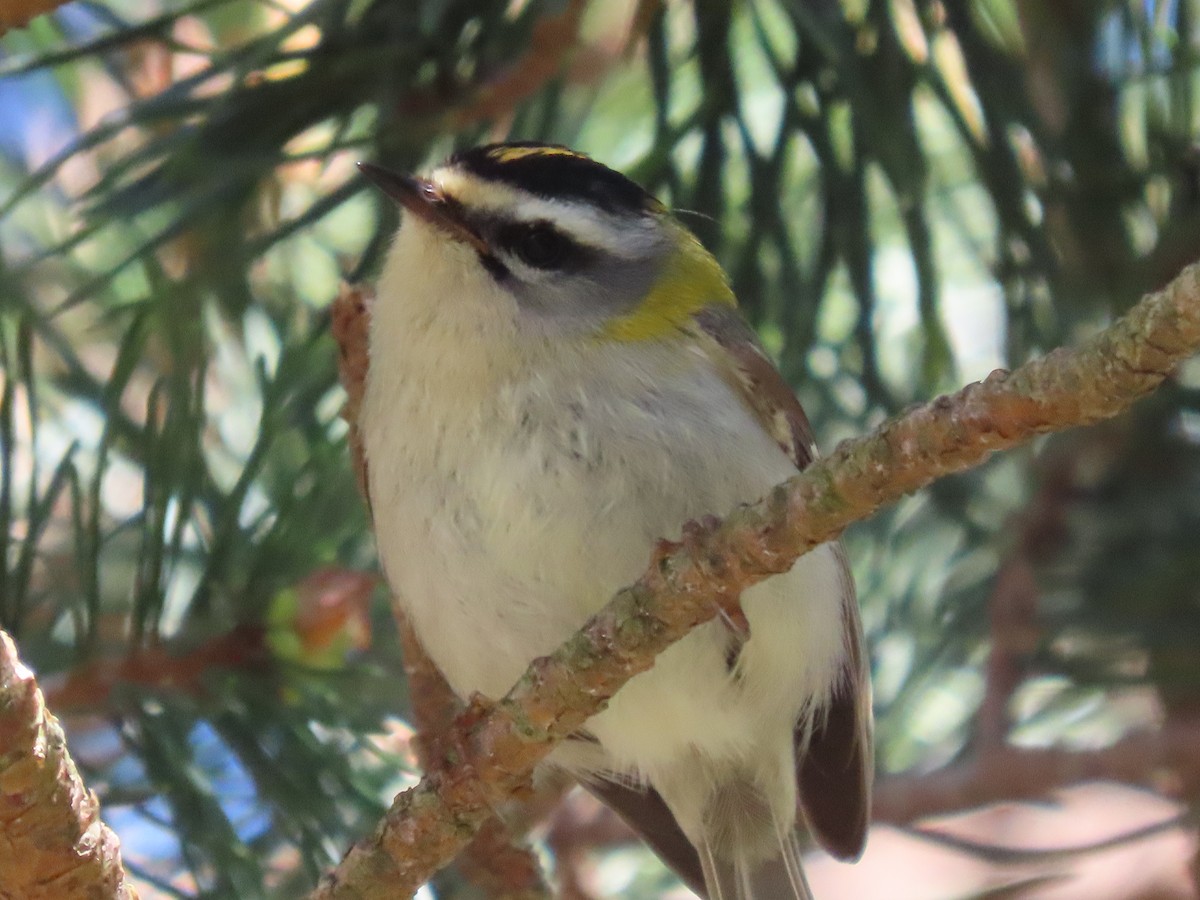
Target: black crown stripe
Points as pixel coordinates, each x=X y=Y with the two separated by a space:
x=555 y=172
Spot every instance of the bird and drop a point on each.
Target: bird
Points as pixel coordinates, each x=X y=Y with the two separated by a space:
x=559 y=378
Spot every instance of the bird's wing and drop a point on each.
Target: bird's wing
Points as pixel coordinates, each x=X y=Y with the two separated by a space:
x=835 y=756
x=642 y=809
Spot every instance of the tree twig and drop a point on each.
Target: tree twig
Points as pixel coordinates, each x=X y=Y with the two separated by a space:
x=1010 y=773
x=690 y=582
x=494 y=862
x=53 y=845
x=1013 y=627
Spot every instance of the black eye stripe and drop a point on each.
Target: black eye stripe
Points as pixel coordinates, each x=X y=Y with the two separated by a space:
x=495 y=268
x=540 y=245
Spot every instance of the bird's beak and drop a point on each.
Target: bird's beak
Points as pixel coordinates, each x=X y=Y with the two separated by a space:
x=425 y=200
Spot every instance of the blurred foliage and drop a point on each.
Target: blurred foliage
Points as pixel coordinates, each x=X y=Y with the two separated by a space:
x=906 y=193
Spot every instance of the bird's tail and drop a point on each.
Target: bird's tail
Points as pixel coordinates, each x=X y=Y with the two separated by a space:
x=778 y=878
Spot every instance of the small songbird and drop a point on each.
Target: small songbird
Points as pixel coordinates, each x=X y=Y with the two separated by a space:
x=559 y=377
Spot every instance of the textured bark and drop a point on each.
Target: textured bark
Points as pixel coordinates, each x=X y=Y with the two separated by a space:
x=53 y=845
x=689 y=582
x=493 y=861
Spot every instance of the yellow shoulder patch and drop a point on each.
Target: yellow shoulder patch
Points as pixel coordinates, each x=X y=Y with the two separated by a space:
x=690 y=281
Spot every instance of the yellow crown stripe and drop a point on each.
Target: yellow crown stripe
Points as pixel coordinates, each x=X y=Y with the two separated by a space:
x=512 y=154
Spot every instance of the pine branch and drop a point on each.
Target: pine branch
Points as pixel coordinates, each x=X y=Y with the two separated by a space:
x=554 y=38
x=53 y=845
x=689 y=582
x=494 y=861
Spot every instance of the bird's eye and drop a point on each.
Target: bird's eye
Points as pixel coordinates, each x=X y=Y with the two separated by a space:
x=540 y=245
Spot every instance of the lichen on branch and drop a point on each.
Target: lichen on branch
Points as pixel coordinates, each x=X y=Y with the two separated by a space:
x=690 y=582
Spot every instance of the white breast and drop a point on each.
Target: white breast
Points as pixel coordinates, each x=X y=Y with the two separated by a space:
x=508 y=509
